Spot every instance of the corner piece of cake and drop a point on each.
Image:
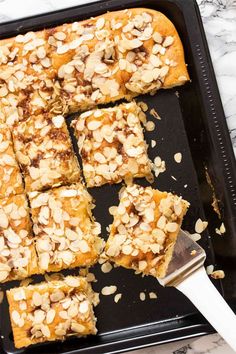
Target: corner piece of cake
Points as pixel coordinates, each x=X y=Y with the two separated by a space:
x=145 y=228
x=66 y=234
x=52 y=311
x=18 y=258
x=112 y=145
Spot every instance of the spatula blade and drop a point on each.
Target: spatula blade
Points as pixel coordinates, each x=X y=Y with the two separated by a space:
x=187 y=257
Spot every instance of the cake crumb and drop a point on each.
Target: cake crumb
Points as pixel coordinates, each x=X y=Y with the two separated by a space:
x=193 y=252
x=159 y=166
x=26 y=282
x=91 y=278
x=218 y=274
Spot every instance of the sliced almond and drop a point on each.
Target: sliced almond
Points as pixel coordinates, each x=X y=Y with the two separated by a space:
x=142 y=296
x=106 y=267
x=58 y=121
x=50 y=316
x=200 y=226
x=178 y=157
x=117 y=297
x=57 y=296
x=109 y=290
x=94 y=124
x=168 y=41
x=37 y=299
x=152 y=295
x=72 y=281
x=77 y=327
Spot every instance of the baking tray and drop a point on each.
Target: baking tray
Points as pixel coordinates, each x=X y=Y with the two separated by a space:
x=193 y=123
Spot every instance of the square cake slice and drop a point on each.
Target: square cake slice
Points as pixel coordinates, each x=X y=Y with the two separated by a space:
x=10 y=177
x=44 y=151
x=66 y=233
x=145 y=228
x=17 y=251
x=112 y=145
x=52 y=311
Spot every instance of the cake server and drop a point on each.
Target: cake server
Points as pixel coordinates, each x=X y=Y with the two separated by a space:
x=186 y=273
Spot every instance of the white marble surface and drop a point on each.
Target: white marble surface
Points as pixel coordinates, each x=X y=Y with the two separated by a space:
x=219 y=19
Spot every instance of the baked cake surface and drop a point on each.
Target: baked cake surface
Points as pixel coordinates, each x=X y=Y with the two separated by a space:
x=52 y=311
x=44 y=151
x=111 y=144
x=10 y=177
x=145 y=228
x=17 y=251
x=79 y=65
x=66 y=234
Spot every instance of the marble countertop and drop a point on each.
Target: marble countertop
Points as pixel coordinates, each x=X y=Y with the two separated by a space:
x=219 y=19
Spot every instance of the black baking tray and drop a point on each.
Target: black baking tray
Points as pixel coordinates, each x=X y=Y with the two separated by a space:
x=193 y=123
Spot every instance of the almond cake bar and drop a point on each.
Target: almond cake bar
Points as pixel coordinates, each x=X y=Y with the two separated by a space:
x=52 y=311
x=145 y=228
x=112 y=145
x=44 y=151
x=79 y=65
x=65 y=231
x=10 y=177
x=17 y=251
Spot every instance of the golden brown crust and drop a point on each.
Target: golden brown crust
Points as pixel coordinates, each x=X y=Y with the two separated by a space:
x=77 y=66
x=52 y=311
x=10 y=177
x=17 y=251
x=144 y=231
x=44 y=151
x=111 y=144
x=65 y=232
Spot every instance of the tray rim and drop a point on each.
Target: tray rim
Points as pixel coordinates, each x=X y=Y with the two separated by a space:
x=201 y=327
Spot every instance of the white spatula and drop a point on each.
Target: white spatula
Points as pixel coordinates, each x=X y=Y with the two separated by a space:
x=187 y=273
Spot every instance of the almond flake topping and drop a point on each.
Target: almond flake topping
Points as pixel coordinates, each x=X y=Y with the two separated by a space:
x=112 y=144
x=141 y=227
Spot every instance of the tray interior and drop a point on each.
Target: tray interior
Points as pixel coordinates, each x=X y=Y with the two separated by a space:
x=181 y=129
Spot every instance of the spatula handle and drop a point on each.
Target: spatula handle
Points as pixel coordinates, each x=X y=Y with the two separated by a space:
x=199 y=289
